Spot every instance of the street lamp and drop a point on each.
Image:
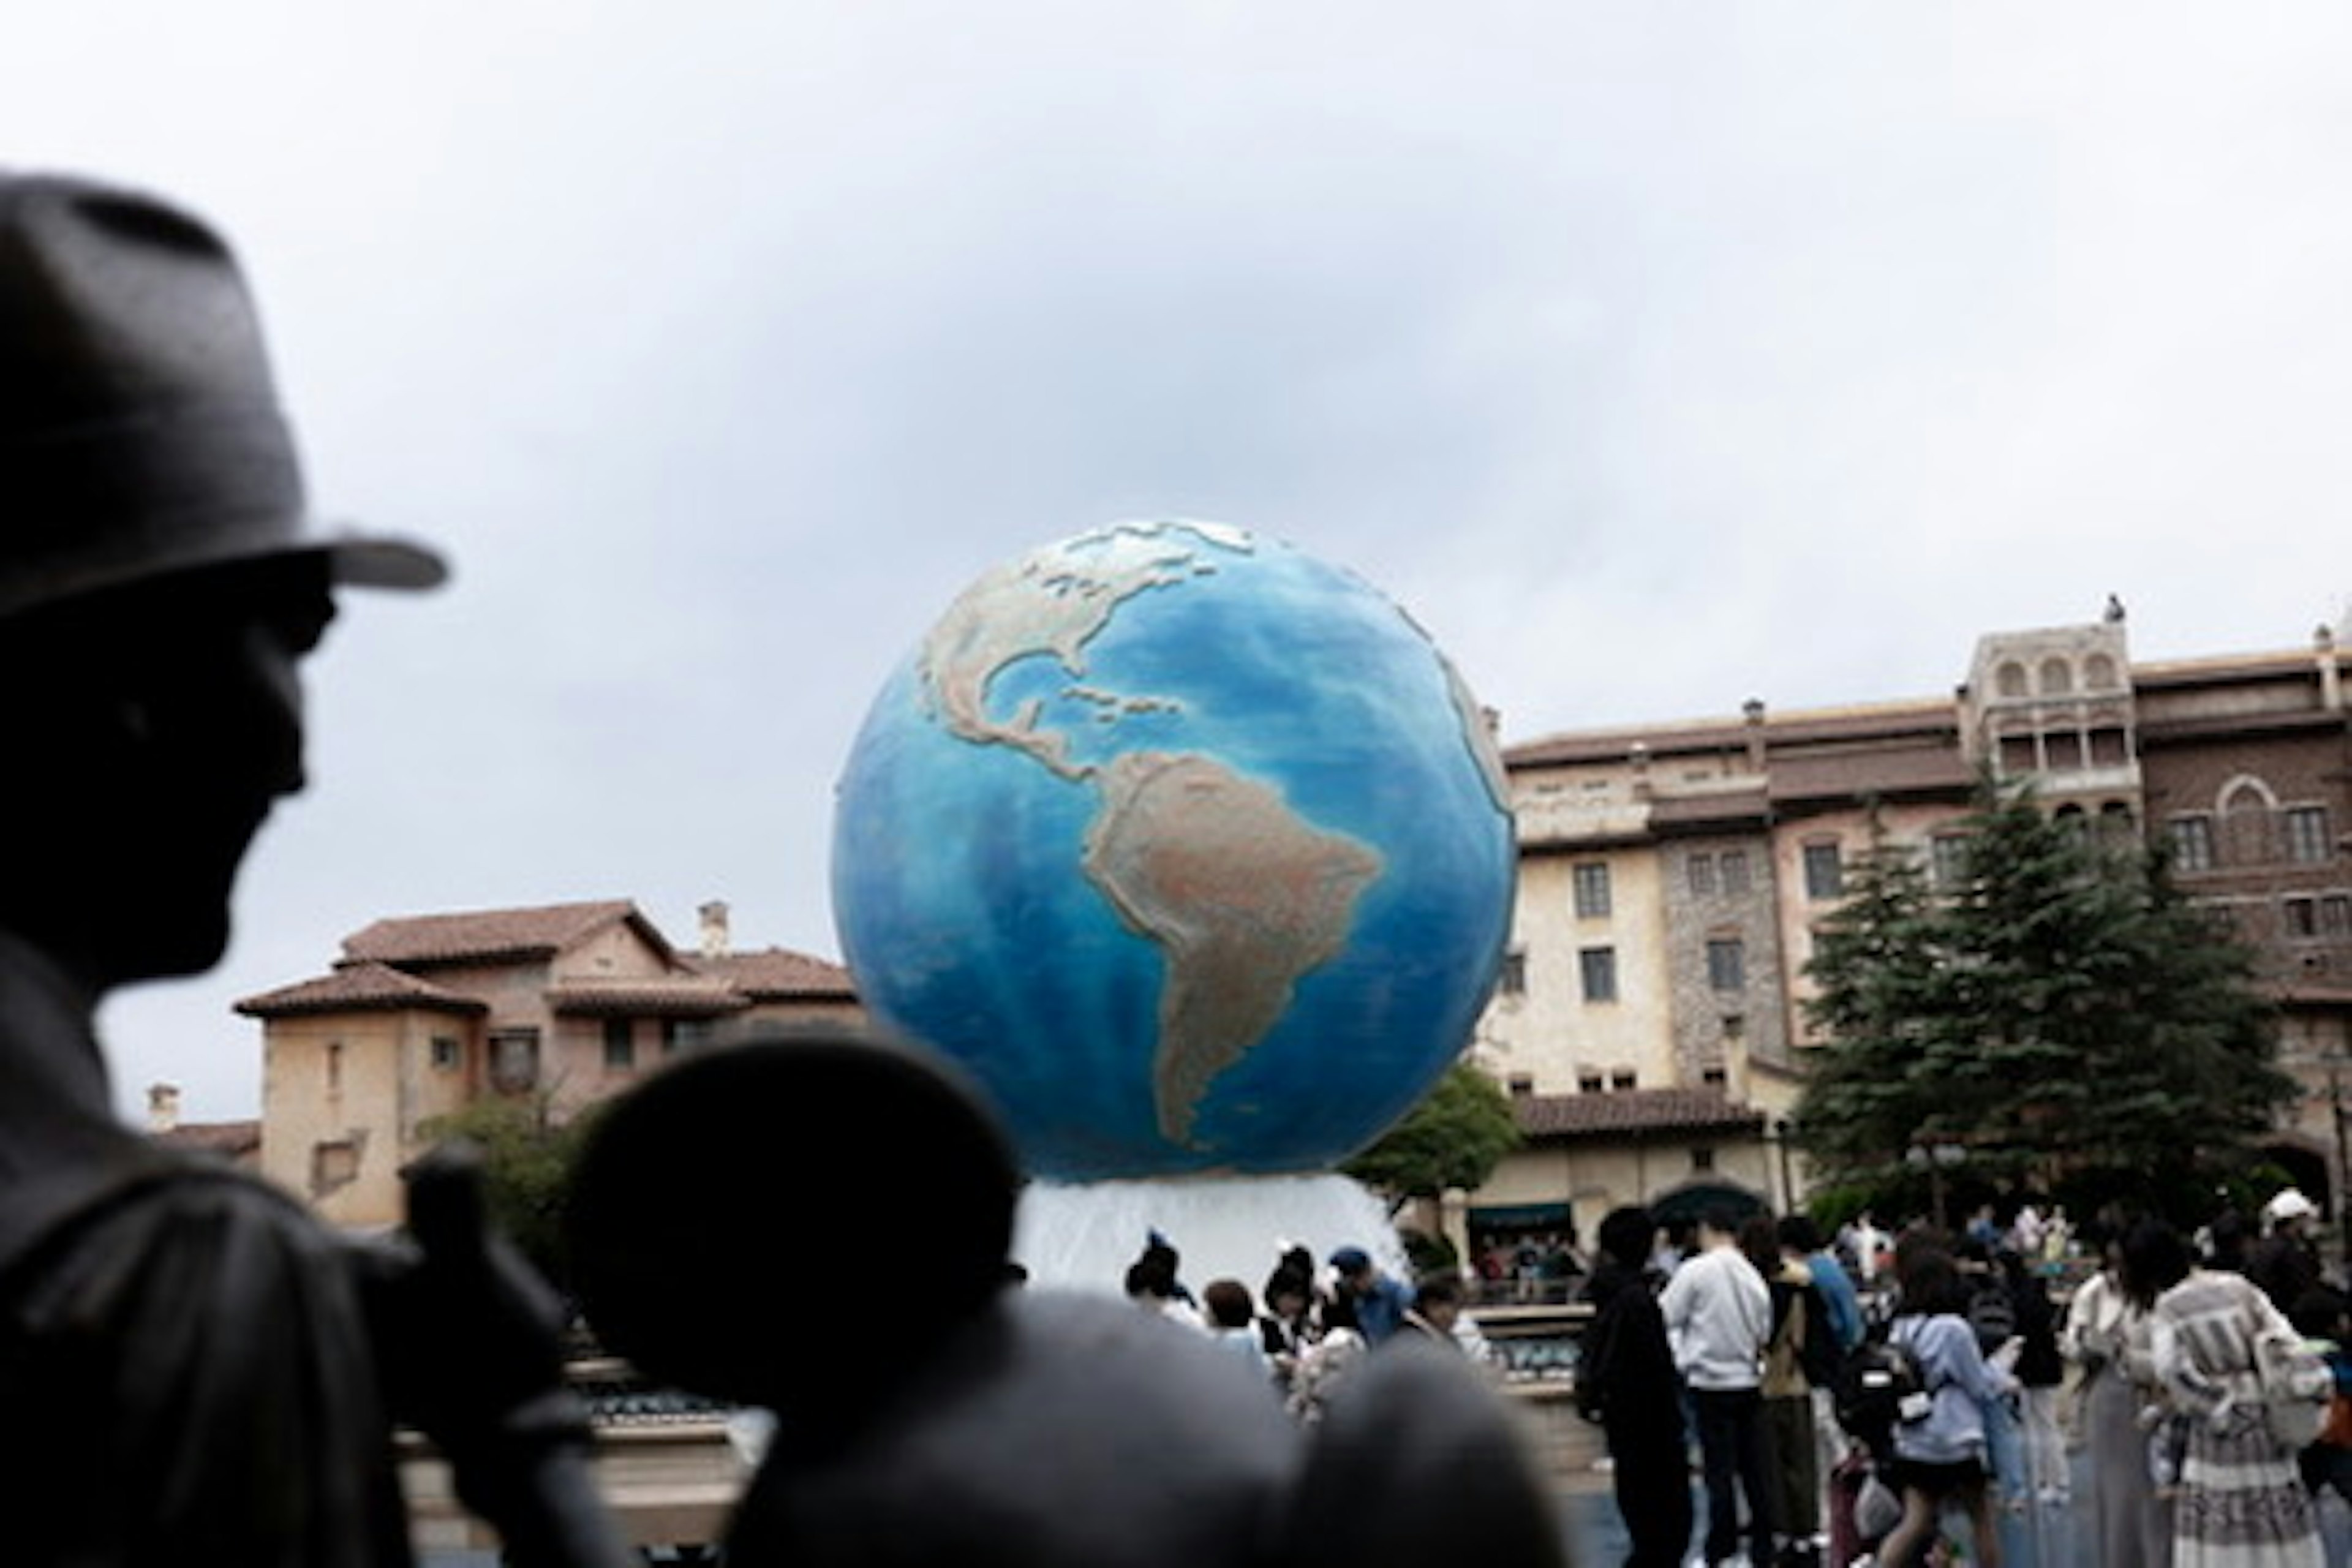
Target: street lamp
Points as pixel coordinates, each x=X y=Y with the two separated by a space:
x=1781 y=1130
x=1935 y=1156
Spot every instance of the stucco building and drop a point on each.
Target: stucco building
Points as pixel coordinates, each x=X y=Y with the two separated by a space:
x=423 y=1015
x=1651 y=1020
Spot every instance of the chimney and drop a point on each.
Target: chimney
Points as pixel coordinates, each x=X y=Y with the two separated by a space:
x=714 y=929
x=2331 y=679
x=1753 y=711
x=163 y=1106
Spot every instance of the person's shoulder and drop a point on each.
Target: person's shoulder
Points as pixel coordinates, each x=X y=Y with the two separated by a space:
x=1930 y=1332
x=191 y=1233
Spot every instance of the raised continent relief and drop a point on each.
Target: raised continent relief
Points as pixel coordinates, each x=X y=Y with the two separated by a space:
x=1052 y=603
x=1241 y=895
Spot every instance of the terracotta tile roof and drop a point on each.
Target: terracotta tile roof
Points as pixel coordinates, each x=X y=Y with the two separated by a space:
x=777 y=973
x=357 y=987
x=230 y=1140
x=484 y=935
x=1749 y=806
x=1631 y=1112
x=1861 y=721
x=658 y=995
x=2217 y=669
x=1892 y=770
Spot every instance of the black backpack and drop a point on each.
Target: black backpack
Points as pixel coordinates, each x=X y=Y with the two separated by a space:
x=1992 y=1313
x=1820 y=1355
x=1878 y=1388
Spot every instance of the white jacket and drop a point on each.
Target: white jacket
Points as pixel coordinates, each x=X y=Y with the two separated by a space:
x=1719 y=1314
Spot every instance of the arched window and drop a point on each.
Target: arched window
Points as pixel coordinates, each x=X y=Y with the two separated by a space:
x=2246 y=822
x=2010 y=679
x=2099 y=673
x=2057 y=678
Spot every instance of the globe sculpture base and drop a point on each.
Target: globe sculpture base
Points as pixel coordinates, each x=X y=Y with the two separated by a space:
x=1083 y=1235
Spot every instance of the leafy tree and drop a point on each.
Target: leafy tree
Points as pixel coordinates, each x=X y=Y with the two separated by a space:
x=527 y=1161
x=2062 y=1008
x=1454 y=1138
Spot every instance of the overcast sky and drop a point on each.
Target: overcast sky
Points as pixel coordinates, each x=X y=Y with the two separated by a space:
x=1655 y=356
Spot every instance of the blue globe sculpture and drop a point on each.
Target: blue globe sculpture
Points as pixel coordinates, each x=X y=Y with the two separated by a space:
x=1192 y=849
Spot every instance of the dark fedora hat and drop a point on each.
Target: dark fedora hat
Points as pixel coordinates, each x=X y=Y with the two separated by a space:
x=140 y=433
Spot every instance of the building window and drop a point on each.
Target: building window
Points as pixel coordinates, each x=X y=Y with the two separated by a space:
x=2099 y=673
x=1702 y=1158
x=620 y=1044
x=1947 y=857
x=2302 y=917
x=1589 y=1083
x=1734 y=866
x=1591 y=889
x=334 y=1067
x=1597 y=967
x=333 y=1164
x=514 y=1060
x=682 y=1035
x=2307 y=834
x=1521 y=1084
x=1622 y=1079
x=1727 y=963
x=448 y=1054
x=2010 y=679
x=1824 y=871
x=2057 y=681
x=2246 y=814
x=1512 y=979
x=1714 y=1077
x=2336 y=915
x=1735 y=1026
x=2192 y=843
x=1701 y=871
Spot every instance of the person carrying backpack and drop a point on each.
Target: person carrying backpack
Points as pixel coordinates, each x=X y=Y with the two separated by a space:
x=1940 y=1456
x=1800 y=1350
x=1991 y=1312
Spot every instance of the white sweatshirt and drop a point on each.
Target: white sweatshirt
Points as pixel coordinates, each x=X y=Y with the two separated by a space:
x=1719 y=1314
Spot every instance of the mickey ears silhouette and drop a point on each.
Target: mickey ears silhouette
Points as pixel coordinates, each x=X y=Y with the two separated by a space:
x=731 y=1215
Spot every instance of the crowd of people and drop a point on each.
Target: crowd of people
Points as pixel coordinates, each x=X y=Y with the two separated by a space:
x=1302 y=1332
x=1854 y=1403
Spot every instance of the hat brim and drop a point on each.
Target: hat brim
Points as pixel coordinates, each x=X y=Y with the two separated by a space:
x=383 y=561
x=352 y=559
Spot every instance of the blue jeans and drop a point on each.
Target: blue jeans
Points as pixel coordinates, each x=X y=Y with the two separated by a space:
x=2005 y=1450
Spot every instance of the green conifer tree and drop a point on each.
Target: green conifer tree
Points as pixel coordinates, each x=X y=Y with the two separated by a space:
x=2060 y=1008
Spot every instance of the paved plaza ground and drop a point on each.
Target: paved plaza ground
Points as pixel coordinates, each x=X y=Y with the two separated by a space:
x=2046 y=1536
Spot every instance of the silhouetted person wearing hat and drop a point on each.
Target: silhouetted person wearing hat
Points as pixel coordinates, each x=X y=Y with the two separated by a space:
x=191 y=1369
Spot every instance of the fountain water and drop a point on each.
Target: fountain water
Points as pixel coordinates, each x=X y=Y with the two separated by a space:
x=1083 y=1235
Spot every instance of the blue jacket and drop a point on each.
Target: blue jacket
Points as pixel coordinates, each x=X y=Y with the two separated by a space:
x=1379 y=1312
x=1959 y=1381
x=1838 y=1294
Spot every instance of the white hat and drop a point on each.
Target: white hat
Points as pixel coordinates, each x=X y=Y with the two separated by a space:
x=2288 y=1204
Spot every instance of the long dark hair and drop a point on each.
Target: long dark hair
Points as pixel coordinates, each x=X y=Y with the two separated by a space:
x=2155 y=1260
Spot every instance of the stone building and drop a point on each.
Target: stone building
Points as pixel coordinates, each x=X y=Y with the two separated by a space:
x=1672 y=876
x=562 y=1005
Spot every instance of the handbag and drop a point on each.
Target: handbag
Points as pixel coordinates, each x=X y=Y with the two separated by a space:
x=1876 y=1510
x=2296 y=1386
